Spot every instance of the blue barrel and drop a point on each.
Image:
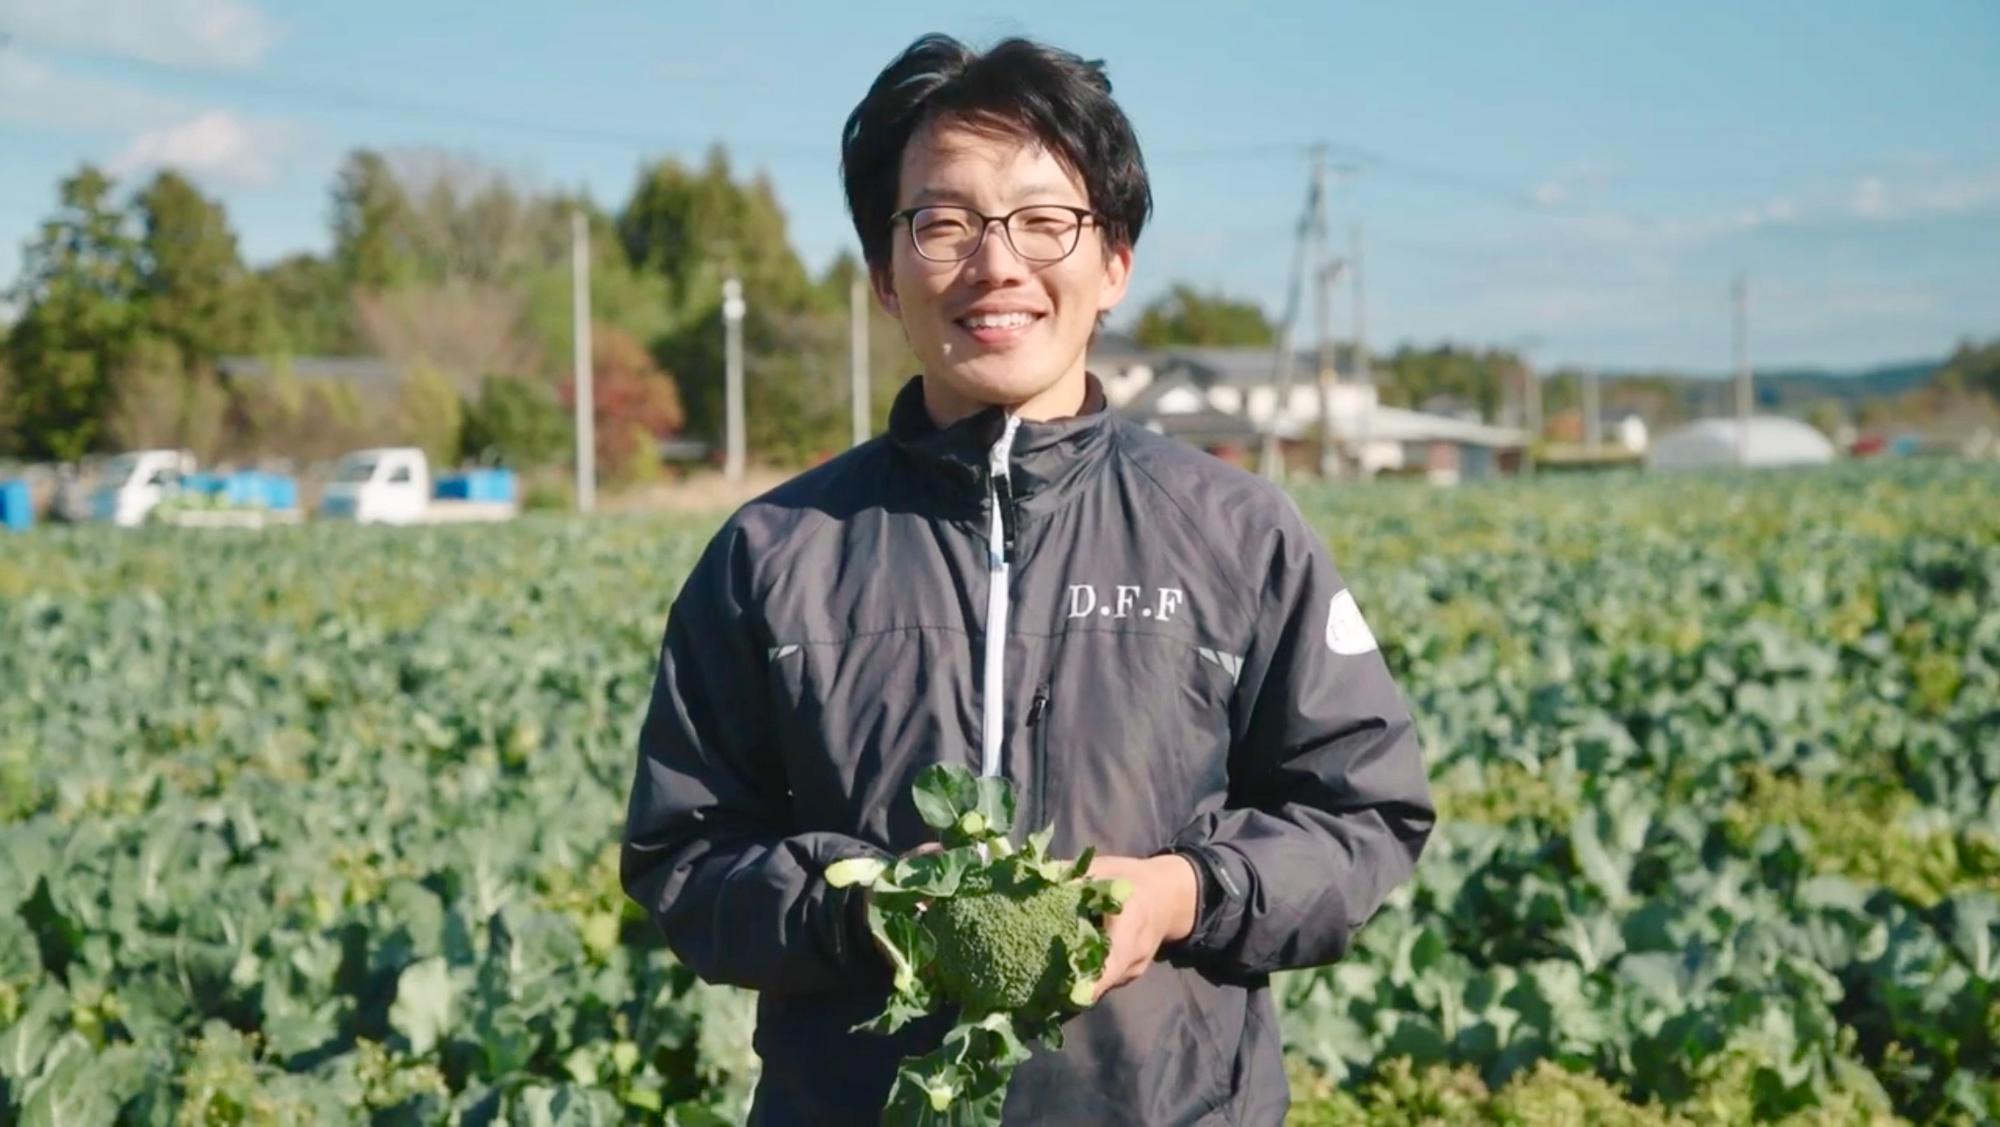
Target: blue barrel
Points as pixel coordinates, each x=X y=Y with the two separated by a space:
x=17 y=506
x=495 y=486
x=280 y=492
x=247 y=489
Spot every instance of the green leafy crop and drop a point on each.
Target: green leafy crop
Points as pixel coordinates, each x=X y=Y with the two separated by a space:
x=1721 y=826
x=1007 y=936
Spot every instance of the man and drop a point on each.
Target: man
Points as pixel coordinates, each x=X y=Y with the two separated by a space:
x=1153 y=646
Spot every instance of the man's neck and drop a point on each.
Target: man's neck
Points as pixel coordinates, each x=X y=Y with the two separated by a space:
x=1063 y=399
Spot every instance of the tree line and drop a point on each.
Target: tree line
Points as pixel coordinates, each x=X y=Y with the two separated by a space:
x=456 y=279
x=131 y=300
x=129 y=305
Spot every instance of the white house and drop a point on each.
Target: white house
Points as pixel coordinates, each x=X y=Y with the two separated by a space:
x=1122 y=364
x=1627 y=429
x=1228 y=397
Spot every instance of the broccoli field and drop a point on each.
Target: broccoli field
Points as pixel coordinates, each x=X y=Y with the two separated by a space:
x=319 y=823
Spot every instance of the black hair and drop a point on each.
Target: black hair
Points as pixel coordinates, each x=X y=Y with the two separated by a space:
x=1019 y=88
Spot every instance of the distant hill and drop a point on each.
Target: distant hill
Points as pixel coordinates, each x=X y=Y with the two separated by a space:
x=1804 y=385
x=1787 y=391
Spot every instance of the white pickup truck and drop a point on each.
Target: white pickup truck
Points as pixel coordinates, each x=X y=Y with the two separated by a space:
x=129 y=487
x=163 y=487
x=393 y=485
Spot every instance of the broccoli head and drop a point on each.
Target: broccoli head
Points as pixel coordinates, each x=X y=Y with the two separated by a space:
x=1004 y=947
x=1003 y=933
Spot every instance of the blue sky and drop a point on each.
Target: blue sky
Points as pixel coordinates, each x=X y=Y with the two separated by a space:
x=1580 y=178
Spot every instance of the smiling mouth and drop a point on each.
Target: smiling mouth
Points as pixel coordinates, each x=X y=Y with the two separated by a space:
x=997 y=328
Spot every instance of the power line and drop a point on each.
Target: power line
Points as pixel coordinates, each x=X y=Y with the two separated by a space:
x=1231 y=154
x=1497 y=192
x=341 y=98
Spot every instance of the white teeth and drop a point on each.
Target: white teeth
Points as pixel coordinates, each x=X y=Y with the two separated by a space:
x=999 y=320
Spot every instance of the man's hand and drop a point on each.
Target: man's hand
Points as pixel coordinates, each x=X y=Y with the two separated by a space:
x=1160 y=910
x=868 y=897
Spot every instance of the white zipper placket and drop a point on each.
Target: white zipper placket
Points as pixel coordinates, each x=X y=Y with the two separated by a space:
x=999 y=494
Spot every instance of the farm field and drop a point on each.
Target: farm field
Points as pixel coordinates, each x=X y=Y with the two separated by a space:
x=319 y=824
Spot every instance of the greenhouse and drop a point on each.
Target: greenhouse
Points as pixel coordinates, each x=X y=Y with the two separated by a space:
x=1771 y=441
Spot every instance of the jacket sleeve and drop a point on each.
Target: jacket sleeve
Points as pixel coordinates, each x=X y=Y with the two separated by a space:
x=1329 y=806
x=709 y=848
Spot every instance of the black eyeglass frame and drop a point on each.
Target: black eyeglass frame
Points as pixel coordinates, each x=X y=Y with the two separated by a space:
x=1006 y=222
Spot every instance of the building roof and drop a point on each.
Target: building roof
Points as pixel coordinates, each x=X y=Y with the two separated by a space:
x=1250 y=366
x=373 y=371
x=1206 y=425
x=1119 y=350
x=1143 y=406
x=1399 y=424
x=1371 y=423
x=1772 y=440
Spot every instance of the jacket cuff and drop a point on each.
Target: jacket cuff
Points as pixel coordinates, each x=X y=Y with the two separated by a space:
x=844 y=917
x=1219 y=897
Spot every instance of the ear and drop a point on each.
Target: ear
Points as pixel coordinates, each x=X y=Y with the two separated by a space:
x=1117 y=276
x=884 y=285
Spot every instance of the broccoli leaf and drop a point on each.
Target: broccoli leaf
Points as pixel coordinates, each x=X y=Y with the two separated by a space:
x=964 y=1081
x=965 y=809
x=1106 y=896
x=1054 y=872
x=961 y=1083
x=1083 y=860
x=908 y=947
x=934 y=874
x=1002 y=1044
x=996 y=804
x=944 y=792
x=855 y=870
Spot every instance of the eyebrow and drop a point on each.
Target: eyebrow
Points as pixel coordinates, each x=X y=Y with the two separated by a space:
x=929 y=194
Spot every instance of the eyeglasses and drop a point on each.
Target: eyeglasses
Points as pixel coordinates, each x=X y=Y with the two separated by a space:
x=1038 y=233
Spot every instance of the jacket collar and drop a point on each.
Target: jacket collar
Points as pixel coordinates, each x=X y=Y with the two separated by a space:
x=1047 y=458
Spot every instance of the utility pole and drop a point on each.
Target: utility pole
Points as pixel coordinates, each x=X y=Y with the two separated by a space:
x=1271 y=457
x=1364 y=368
x=857 y=356
x=1325 y=270
x=1531 y=396
x=1593 y=424
x=1329 y=372
x=586 y=406
x=732 y=326
x=1743 y=389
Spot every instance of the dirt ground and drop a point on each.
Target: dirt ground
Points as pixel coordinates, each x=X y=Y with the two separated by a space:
x=704 y=492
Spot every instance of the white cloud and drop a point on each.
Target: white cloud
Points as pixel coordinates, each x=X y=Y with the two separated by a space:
x=1879 y=301
x=1953 y=195
x=217 y=34
x=37 y=95
x=1933 y=192
x=216 y=145
x=1882 y=198
x=1871 y=198
x=1549 y=193
x=1582 y=178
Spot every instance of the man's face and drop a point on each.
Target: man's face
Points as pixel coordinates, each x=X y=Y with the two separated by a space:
x=997 y=328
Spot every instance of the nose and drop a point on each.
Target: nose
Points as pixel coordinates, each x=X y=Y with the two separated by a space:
x=995 y=262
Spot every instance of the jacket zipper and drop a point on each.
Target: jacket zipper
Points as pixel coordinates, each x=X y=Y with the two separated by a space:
x=1038 y=731
x=999 y=550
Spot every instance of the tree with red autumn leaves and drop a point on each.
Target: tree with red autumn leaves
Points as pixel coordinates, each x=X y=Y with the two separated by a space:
x=634 y=405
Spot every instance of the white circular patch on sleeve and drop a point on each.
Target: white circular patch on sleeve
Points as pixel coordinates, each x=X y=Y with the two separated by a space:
x=1347 y=632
